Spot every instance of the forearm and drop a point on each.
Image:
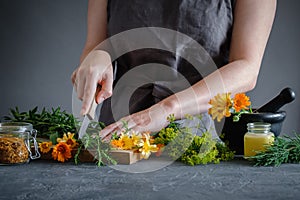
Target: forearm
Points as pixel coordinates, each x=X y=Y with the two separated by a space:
x=252 y=26
x=235 y=77
x=96 y=25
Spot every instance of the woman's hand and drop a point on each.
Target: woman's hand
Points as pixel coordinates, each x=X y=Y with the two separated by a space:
x=96 y=69
x=152 y=119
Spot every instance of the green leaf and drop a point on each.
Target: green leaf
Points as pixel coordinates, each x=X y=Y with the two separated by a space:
x=53 y=137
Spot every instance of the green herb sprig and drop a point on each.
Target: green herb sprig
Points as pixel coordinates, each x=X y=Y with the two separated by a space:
x=49 y=124
x=285 y=149
x=92 y=142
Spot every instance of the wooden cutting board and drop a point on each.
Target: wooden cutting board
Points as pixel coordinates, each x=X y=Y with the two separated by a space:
x=123 y=157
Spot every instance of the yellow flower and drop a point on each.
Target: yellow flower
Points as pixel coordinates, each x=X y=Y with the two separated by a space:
x=128 y=142
x=220 y=106
x=241 y=101
x=45 y=147
x=146 y=147
x=68 y=140
x=61 y=152
x=136 y=139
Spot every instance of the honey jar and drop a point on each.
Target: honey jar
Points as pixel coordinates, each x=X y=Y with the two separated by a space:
x=257 y=138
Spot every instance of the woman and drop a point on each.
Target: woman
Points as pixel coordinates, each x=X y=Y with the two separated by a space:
x=234 y=33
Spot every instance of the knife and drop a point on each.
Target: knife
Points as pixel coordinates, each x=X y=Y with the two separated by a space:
x=90 y=116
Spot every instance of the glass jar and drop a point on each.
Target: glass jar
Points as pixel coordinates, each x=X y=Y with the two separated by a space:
x=15 y=143
x=257 y=138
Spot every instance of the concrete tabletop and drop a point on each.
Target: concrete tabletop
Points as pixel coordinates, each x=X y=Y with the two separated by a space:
x=236 y=179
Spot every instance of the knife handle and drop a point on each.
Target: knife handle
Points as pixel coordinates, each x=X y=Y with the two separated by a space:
x=92 y=111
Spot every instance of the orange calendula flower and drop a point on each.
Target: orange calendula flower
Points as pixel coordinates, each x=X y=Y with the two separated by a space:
x=117 y=144
x=68 y=139
x=241 y=101
x=221 y=104
x=61 y=152
x=45 y=147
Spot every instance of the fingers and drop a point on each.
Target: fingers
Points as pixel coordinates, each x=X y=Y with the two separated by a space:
x=88 y=94
x=118 y=127
x=80 y=85
x=91 y=92
x=106 y=87
x=73 y=76
x=106 y=133
x=95 y=69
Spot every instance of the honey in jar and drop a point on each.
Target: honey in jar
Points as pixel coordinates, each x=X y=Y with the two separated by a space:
x=258 y=138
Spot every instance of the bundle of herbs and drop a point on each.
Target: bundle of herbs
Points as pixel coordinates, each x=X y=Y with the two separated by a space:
x=49 y=124
x=182 y=144
x=285 y=149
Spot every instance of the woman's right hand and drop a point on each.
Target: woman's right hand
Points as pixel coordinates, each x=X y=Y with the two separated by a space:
x=96 y=69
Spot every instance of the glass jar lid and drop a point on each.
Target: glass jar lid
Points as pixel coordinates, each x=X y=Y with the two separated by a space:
x=259 y=127
x=15 y=126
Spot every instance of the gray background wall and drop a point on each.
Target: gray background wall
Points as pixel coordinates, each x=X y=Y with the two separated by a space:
x=41 y=41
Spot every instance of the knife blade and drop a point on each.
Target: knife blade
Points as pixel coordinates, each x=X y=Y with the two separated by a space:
x=90 y=116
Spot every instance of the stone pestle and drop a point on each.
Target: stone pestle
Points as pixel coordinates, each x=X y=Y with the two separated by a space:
x=287 y=95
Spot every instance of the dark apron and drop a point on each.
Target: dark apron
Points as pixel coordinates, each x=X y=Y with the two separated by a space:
x=209 y=22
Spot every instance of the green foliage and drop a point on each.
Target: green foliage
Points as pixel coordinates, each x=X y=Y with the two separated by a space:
x=237 y=115
x=202 y=151
x=180 y=143
x=166 y=135
x=48 y=123
x=285 y=149
x=53 y=137
x=225 y=153
x=94 y=144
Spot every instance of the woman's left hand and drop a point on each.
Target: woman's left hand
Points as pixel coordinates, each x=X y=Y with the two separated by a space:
x=152 y=119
